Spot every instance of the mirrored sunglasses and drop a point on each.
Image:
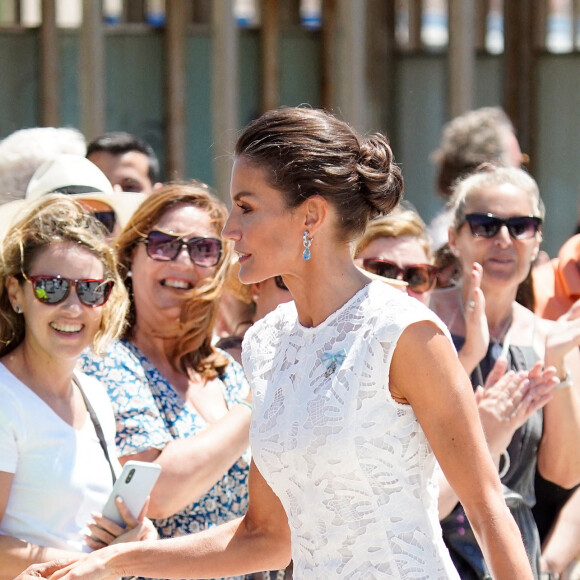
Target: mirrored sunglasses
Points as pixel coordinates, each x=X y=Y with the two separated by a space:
x=164 y=247
x=55 y=289
x=419 y=277
x=487 y=225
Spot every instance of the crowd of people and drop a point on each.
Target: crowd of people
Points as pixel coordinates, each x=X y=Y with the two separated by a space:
x=331 y=386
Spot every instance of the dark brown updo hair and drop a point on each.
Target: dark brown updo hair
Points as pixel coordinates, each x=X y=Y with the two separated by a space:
x=307 y=152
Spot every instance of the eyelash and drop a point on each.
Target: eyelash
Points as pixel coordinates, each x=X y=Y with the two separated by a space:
x=244 y=208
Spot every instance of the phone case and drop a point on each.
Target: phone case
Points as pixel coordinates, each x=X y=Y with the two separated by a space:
x=134 y=485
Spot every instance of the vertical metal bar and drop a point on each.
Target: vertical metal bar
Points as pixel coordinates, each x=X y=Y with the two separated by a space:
x=461 y=57
x=351 y=62
x=481 y=9
x=270 y=37
x=415 y=20
x=575 y=19
x=380 y=46
x=175 y=109
x=224 y=92
x=49 y=67
x=92 y=70
x=541 y=22
x=327 y=53
x=520 y=71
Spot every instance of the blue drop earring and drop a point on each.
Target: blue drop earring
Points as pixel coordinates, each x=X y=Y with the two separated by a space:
x=306 y=254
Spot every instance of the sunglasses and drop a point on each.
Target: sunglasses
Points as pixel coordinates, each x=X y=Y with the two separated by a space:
x=487 y=225
x=419 y=277
x=280 y=283
x=163 y=247
x=107 y=218
x=55 y=289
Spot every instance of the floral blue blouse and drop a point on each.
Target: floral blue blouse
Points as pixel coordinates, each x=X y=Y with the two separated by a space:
x=150 y=413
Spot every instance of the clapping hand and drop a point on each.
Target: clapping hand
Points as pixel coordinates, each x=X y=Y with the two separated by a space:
x=508 y=399
x=565 y=336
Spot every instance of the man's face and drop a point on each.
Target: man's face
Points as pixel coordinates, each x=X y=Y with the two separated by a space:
x=126 y=171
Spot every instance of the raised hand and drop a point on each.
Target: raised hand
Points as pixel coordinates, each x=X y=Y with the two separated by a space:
x=564 y=337
x=476 y=329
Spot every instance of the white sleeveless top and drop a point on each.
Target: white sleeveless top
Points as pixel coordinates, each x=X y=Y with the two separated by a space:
x=351 y=466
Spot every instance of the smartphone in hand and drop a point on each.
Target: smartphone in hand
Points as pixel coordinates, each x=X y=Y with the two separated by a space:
x=134 y=485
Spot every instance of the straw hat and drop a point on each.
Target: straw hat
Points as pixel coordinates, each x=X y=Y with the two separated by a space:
x=75 y=176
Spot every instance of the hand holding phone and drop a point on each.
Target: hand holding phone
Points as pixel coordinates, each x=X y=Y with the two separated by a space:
x=134 y=485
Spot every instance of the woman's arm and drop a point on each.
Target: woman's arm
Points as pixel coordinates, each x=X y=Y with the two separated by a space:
x=425 y=371
x=191 y=466
x=15 y=554
x=563 y=544
x=559 y=451
x=258 y=541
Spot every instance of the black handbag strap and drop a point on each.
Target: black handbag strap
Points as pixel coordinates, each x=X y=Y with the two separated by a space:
x=97 y=426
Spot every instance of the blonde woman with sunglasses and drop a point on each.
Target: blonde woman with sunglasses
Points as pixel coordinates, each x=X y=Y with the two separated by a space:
x=59 y=294
x=396 y=246
x=531 y=413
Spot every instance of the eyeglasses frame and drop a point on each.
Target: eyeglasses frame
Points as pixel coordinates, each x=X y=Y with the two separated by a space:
x=71 y=284
x=187 y=243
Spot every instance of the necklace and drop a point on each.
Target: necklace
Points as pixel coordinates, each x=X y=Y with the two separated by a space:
x=497 y=350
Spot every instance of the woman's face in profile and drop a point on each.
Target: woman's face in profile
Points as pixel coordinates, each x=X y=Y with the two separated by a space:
x=163 y=285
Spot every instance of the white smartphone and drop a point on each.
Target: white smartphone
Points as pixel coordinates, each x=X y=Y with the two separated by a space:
x=134 y=485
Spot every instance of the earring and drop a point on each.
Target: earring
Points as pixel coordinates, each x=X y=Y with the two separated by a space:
x=129 y=273
x=18 y=309
x=306 y=254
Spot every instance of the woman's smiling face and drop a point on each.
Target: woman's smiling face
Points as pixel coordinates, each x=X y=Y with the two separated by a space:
x=160 y=286
x=65 y=329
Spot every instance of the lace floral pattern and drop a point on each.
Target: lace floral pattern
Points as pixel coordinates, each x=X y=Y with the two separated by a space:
x=351 y=466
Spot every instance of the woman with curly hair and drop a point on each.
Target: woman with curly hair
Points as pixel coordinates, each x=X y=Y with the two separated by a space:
x=59 y=294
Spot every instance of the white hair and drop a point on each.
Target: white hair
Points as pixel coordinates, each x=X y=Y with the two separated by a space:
x=25 y=150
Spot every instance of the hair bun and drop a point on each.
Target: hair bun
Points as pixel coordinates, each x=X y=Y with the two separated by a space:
x=381 y=179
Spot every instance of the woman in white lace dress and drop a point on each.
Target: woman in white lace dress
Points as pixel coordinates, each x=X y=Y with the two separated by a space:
x=357 y=389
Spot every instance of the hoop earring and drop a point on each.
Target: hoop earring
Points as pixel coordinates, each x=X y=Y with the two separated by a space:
x=306 y=254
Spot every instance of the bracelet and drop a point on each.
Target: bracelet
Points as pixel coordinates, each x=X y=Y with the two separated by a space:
x=246 y=403
x=566 y=381
x=506 y=463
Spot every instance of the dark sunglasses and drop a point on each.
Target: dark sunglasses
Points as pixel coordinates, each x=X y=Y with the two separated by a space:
x=280 y=283
x=487 y=225
x=419 y=277
x=107 y=218
x=163 y=247
x=55 y=289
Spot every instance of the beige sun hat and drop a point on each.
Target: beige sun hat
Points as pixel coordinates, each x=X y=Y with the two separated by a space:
x=78 y=177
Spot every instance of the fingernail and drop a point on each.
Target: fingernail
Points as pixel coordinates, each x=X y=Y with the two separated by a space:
x=119 y=499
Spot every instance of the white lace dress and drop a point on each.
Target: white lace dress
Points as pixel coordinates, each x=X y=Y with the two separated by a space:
x=351 y=466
